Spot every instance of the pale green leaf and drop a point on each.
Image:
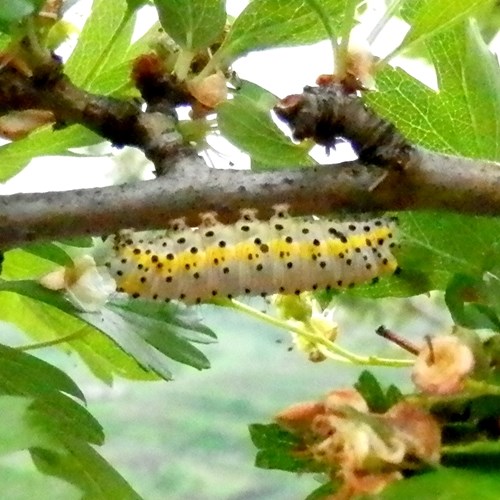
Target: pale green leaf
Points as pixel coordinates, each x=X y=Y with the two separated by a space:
x=102 y=44
x=157 y=325
x=246 y=121
x=193 y=24
x=20 y=264
x=277 y=23
x=20 y=432
x=45 y=141
x=463 y=118
x=428 y=17
x=46 y=324
x=82 y=466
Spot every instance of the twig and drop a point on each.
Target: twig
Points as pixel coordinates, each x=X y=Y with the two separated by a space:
x=434 y=182
x=418 y=179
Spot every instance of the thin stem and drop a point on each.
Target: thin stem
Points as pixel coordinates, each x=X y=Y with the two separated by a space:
x=210 y=67
x=375 y=32
x=323 y=16
x=326 y=346
x=40 y=52
x=343 y=48
x=398 y=340
x=49 y=343
x=183 y=64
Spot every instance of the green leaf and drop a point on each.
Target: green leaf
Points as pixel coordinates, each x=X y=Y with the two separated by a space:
x=49 y=251
x=62 y=416
x=278 y=449
x=393 y=395
x=85 y=468
x=44 y=141
x=108 y=322
x=441 y=245
x=429 y=17
x=446 y=484
x=102 y=44
x=136 y=4
x=24 y=265
x=47 y=324
x=19 y=429
x=23 y=374
x=157 y=325
x=13 y=11
x=185 y=322
x=369 y=387
x=324 y=491
x=469 y=302
x=193 y=24
x=477 y=454
x=277 y=23
x=81 y=242
x=463 y=118
x=246 y=122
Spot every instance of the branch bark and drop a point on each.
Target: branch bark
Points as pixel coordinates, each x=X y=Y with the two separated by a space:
x=431 y=182
x=415 y=180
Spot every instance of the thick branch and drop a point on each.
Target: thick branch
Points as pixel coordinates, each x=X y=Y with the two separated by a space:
x=417 y=180
x=121 y=122
x=432 y=181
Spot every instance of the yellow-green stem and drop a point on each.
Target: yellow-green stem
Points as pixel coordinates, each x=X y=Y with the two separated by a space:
x=49 y=343
x=329 y=347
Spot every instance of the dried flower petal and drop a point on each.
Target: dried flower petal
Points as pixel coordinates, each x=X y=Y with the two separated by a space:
x=87 y=286
x=336 y=400
x=442 y=366
x=299 y=417
x=418 y=429
x=210 y=91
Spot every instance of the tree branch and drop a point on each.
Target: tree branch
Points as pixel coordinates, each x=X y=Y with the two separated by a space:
x=415 y=180
x=432 y=182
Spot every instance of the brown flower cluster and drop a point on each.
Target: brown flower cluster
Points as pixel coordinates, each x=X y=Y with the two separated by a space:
x=365 y=450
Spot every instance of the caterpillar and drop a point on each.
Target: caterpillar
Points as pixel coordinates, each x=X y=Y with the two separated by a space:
x=282 y=255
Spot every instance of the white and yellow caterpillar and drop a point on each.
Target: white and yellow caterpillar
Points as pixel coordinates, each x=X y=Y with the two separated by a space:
x=282 y=255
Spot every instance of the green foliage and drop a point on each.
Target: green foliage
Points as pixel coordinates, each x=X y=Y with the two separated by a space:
x=147 y=332
x=278 y=449
x=82 y=466
x=428 y=18
x=461 y=118
x=256 y=27
x=246 y=122
x=193 y=24
x=12 y=12
x=446 y=484
x=378 y=400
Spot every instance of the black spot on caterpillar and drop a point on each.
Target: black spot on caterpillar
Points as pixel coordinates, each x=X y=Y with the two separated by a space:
x=282 y=255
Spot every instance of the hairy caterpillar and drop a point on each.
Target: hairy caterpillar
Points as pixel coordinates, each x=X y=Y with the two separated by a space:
x=282 y=255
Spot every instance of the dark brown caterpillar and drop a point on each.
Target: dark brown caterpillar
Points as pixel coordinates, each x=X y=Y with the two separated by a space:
x=329 y=112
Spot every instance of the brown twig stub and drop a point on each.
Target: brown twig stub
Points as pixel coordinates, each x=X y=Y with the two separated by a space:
x=328 y=113
x=397 y=339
